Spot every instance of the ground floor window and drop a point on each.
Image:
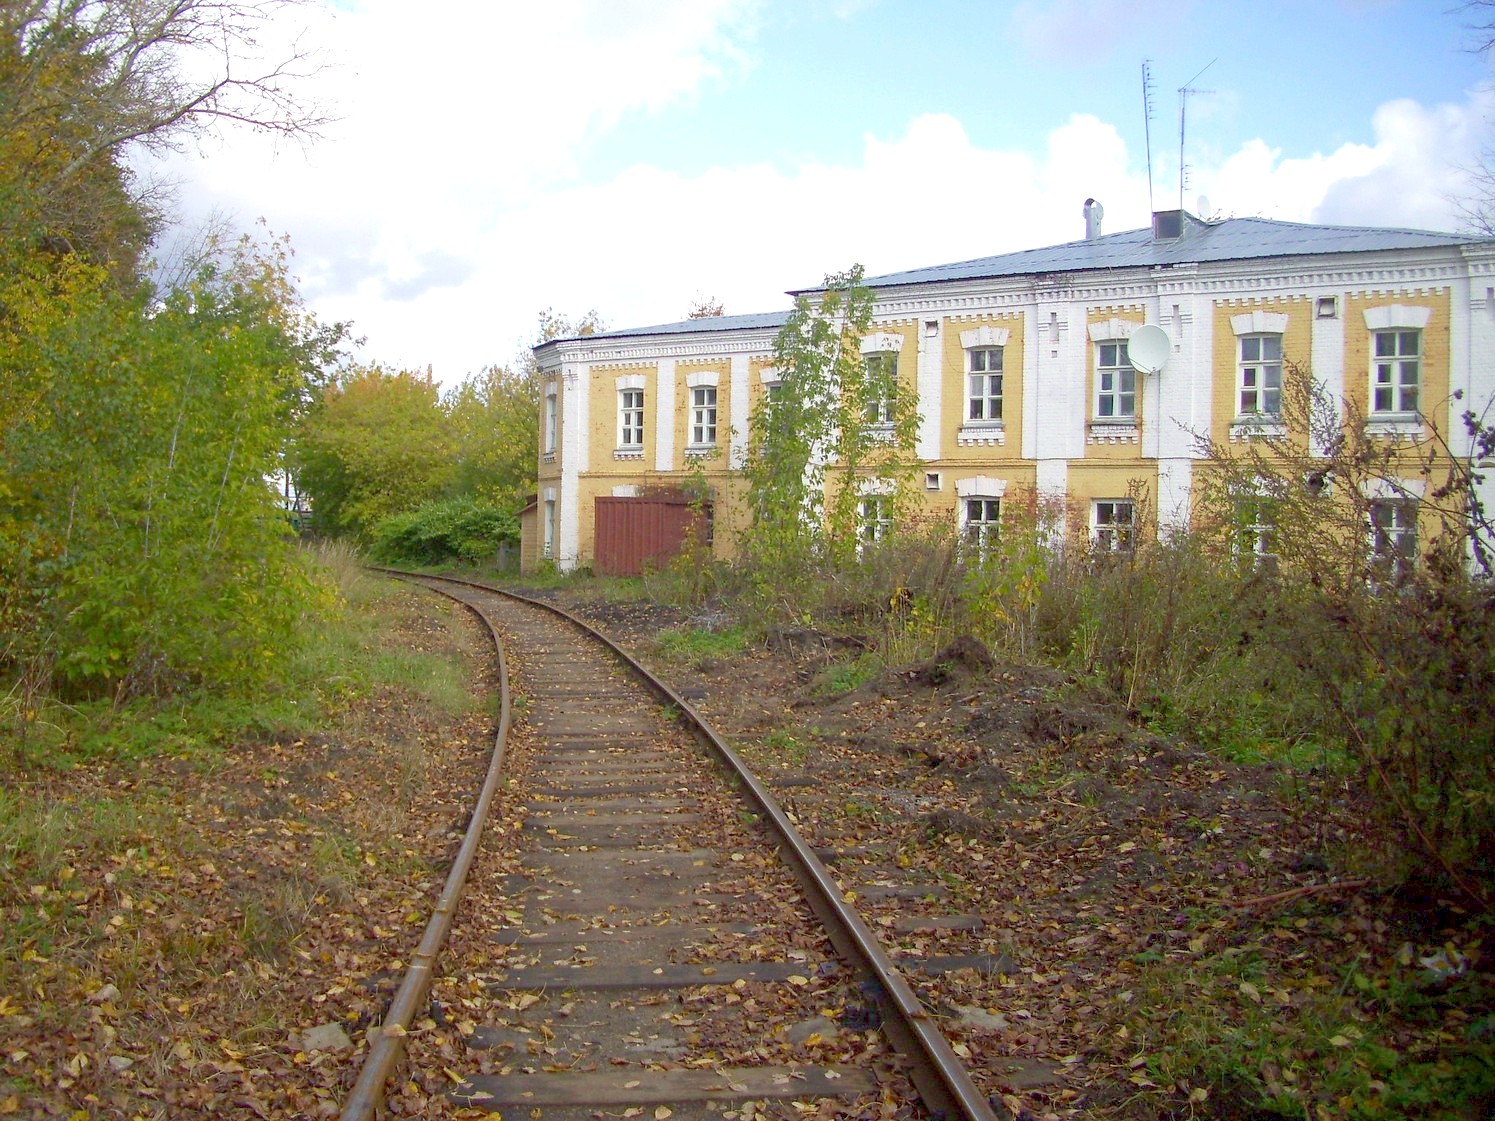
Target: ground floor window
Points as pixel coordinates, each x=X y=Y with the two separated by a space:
x=1393 y=523
x=875 y=518
x=547 y=547
x=1256 y=535
x=1113 y=524
x=982 y=516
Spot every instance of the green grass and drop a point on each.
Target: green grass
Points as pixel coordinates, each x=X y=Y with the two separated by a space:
x=346 y=653
x=699 y=644
x=842 y=677
x=783 y=745
x=1382 y=1040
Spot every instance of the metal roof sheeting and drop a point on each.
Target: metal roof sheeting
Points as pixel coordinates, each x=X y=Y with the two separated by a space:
x=1235 y=239
x=763 y=320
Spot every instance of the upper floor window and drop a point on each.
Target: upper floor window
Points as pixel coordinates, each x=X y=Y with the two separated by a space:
x=630 y=418
x=1260 y=375
x=1115 y=382
x=552 y=418
x=703 y=415
x=1396 y=371
x=1113 y=524
x=984 y=377
x=882 y=387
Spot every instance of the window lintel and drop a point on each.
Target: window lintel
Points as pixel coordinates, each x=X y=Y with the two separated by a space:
x=985 y=336
x=1259 y=322
x=1391 y=316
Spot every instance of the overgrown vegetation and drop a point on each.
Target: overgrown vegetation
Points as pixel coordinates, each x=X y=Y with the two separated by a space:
x=456 y=529
x=387 y=459
x=142 y=552
x=833 y=405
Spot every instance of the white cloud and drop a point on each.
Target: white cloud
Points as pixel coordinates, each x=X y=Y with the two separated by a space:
x=1410 y=176
x=444 y=211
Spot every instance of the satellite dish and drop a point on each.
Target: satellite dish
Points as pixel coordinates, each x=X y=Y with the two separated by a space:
x=1205 y=210
x=1148 y=348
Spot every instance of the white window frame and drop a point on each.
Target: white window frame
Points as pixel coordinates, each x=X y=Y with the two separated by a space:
x=985 y=385
x=1256 y=537
x=882 y=409
x=703 y=416
x=1107 y=533
x=1259 y=375
x=631 y=418
x=874 y=518
x=1396 y=375
x=552 y=417
x=1393 y=536
x=1119 y=373
x=981 y=534
x=548 y=528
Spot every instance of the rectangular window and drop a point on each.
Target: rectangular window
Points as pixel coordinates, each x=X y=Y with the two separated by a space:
x=876 y=518
x=703 y=415
x=882 y=387
x=1393 y=524
x=984 y=373
x=1395 y=371
x=1261 y=375
x=1115 y=382
x=982 y=518
x=630 y=418
x=1256 y=535
x=1113 y=524
x=552 y=417
x=548 y=546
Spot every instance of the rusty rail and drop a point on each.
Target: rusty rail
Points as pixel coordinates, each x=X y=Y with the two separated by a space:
x=368 y=1091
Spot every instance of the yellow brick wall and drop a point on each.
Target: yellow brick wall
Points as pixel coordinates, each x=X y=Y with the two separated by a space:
x=1297 y=350
x=1433 y=393
x=955 y=402
x=682 y=411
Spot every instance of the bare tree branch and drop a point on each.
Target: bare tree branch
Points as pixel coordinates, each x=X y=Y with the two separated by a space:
x=118 y=72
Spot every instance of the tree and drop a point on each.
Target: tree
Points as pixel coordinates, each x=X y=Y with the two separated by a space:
x=833 y=408
x=82 y=81
x=706 y=307
x=378 y=444
x=495 y=420
x=1398 y=641
x=141 y=550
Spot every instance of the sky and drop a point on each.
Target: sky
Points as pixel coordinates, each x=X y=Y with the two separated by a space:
x=492 y=159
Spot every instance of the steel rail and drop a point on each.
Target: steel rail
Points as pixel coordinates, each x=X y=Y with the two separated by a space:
x=944 y=1084
x=388 y=1045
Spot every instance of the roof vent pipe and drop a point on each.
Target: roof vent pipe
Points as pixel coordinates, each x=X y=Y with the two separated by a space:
x=1094 y=212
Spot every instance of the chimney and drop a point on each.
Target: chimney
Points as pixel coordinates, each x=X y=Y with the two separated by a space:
x=1094 y=212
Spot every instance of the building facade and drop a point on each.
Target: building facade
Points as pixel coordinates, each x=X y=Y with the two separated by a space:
x=1021 y=370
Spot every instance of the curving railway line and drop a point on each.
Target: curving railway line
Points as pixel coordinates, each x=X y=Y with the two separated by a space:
x=662 y=909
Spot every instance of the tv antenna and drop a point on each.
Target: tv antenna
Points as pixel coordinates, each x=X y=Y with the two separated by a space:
x=1147 y=88
x=1184 y=93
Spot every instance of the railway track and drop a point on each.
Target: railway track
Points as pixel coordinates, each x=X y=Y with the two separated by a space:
x=666 y=942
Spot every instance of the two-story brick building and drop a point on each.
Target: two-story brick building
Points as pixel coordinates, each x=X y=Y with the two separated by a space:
x=1023 y=378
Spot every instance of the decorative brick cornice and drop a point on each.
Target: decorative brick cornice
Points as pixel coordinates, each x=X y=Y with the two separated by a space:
x=972 y=436
x=1101 y=432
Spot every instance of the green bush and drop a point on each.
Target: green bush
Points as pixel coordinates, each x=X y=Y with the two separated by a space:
x=455 y=529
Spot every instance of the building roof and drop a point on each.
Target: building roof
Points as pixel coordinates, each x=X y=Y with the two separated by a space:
x=758 y=321
x=1233 y=239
